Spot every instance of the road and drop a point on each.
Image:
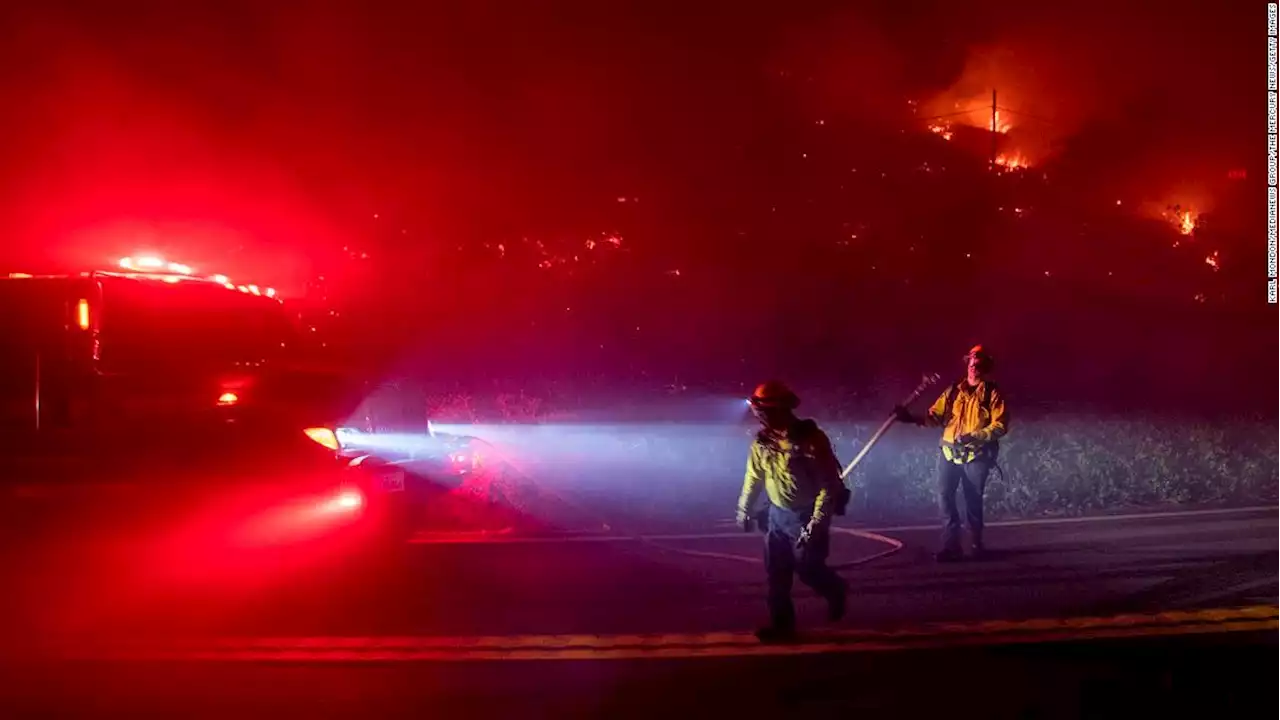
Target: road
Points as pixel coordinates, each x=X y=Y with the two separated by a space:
x=700 y=583
x=695 y=596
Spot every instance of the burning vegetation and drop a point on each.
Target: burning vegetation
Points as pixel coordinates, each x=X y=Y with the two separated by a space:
x=1184 y=219
x=1012 y=161
x=981 y=119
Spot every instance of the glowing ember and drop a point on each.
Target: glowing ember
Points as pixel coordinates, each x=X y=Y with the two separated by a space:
x=1212 y=261
x=1012 y=161
x=942 y=130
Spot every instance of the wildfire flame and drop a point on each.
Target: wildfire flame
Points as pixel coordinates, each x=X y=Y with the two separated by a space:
x=1186 y=222
x=976 y=112
x=1182 y=217
x=1012 y=161
x=998 y=124
x=976 y=116
x=942 y=130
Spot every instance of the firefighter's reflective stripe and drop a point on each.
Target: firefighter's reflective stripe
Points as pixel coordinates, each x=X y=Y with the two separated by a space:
x=959 y=454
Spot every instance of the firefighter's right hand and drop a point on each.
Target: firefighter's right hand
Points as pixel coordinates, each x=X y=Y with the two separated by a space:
x=903 y=415
x=744 y=520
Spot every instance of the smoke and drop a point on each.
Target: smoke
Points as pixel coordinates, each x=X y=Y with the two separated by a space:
x=1159 y=85
x=844 y=65
x=1151 y=124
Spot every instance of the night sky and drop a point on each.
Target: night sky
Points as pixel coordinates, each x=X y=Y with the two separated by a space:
x=788 y=188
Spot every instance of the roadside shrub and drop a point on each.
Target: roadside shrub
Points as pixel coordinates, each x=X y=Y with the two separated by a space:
x=1074 y=466
x=1055 y=465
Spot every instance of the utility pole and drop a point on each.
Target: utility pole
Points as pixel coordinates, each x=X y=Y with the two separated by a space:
x=995 y=132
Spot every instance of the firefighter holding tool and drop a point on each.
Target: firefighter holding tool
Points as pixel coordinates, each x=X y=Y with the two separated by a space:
x=973 y=418
x=793 y=462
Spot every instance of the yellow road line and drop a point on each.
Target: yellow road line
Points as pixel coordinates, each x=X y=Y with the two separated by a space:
x=595 y=647
x=687 y=652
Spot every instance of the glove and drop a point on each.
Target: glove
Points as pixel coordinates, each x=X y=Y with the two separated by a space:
x=967 y=439
x=743 y=520
x=807 y=534
x=904 y=416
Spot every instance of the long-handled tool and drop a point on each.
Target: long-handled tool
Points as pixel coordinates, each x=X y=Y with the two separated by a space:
x=925 y=383
x=759 y=519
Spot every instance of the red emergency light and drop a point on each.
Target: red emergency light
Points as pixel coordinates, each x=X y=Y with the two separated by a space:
x=151 y=263
x=176 y=271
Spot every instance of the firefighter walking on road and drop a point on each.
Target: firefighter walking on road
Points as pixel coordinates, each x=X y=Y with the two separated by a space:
x=973 y=418
x=793 y=462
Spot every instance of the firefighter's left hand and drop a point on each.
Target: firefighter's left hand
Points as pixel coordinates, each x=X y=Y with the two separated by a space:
x=967 y=439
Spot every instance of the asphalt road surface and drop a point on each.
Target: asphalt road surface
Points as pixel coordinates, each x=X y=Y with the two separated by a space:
x=681 y=590
x=457 y=586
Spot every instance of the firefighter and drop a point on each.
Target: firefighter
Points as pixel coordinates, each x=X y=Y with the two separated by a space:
x=793 y=462
x=973 y=418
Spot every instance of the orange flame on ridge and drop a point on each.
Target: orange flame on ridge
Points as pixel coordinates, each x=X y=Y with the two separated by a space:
x=1186 y=222
x=1012 y=161
x=996 y=124
x=942 y=130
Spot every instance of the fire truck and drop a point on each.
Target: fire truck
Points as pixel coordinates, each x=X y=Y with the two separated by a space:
x=154 y=393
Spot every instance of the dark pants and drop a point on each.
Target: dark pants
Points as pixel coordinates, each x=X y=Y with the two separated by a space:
x=971 y=479
x=783 y=560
